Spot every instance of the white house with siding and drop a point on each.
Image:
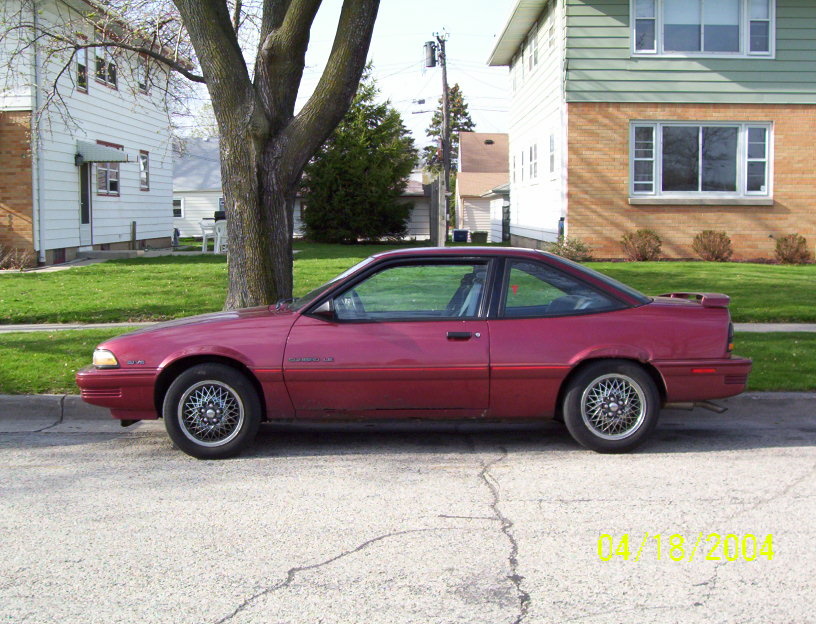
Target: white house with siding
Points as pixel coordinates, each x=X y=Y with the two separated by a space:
x=93 y=171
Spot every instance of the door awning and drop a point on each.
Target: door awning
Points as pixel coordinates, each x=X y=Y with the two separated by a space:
x=94 y=152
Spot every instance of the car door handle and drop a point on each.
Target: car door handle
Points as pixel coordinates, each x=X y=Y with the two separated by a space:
x=459 y=335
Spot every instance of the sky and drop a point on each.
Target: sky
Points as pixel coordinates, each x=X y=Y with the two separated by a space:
x=398 y=57
x=397 y=53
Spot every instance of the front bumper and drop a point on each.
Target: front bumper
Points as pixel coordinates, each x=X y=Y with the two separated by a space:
x=127 y=393
x=700 y=380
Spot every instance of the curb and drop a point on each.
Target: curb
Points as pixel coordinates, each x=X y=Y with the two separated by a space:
x=38 y=412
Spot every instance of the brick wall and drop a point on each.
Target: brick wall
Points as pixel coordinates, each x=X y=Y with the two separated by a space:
x=598 y=180
x=16 y=224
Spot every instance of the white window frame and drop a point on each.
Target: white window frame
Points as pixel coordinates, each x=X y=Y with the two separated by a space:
x=553 y=155
x=180 y=200
x=744 y=26
x=534 y=161
x=742 y=163
x=143 y=160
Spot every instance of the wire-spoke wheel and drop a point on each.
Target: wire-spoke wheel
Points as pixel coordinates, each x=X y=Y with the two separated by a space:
x=211 y=411
x=611 y=406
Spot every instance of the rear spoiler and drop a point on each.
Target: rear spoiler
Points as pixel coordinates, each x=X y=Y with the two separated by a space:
x=707 y=300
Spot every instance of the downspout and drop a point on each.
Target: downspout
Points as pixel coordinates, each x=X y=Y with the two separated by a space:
x=37 y=171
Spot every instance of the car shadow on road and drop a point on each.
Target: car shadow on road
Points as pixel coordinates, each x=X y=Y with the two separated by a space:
x=677 y=432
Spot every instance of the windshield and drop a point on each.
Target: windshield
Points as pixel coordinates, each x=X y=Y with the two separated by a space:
x=312 y=295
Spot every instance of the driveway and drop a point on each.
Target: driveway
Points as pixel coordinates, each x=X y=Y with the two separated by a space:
x=370 y=525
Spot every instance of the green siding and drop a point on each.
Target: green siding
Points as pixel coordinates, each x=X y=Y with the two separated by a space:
x=601 y=68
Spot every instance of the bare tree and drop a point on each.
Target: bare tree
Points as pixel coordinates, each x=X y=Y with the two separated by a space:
x=264 y=144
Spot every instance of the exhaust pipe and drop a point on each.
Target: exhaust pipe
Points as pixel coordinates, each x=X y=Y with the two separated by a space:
x=709 y=405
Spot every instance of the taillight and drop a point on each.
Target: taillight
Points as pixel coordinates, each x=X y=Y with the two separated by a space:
x=730 y=337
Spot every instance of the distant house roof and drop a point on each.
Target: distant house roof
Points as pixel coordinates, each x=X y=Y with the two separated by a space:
x=476 y=184
x=522 y=17
x=483 y=152
x=198 y=166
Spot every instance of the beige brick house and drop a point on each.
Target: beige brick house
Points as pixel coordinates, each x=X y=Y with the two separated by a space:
x=673 y=115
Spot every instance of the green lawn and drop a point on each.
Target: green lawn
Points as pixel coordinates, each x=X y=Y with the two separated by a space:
x=176 y=286
x=45 y=362
x=151 y=289
x=760 y=293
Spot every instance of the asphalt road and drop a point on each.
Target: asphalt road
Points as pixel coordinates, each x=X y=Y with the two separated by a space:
x=357 y=525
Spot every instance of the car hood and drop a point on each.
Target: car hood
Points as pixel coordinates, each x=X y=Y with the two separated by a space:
x=214 y=317
x=253 y=336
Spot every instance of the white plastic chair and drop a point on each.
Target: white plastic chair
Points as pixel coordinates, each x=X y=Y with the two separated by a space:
x=207 y=232
x=220 y=237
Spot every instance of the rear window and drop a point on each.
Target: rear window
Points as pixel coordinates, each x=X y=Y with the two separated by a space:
x=609 y=281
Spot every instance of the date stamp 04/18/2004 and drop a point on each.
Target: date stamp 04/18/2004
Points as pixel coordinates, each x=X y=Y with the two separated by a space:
x=676 y=547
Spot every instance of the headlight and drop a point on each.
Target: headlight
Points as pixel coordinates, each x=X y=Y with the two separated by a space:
x=102 y=358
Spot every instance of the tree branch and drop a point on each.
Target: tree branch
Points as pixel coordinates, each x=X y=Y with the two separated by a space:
x=236 y=16
x=337 y=85
x=282 y=58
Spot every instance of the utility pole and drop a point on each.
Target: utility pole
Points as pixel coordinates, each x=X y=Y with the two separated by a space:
x=436 y=50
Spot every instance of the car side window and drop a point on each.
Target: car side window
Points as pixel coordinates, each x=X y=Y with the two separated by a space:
x=535 y=290
x=415 y=292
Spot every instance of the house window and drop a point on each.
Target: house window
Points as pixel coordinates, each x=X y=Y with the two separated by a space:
x=82 y=70
x=105 y=68
x=107 y=174
x=551 y=36
x=144 y=170
x=533 y=46
x=521 y=63
x=514 y=168
x=178 y=209
x=534 y=161
x=142 y=74
x=692 y=159
x=522 y=165
x=702 y=27
x=552 y=153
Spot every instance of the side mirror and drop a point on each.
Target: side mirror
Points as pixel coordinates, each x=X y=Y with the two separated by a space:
x=325 y=311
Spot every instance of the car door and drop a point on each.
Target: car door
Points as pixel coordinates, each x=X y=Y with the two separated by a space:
x=407 y=339
x=546 y=319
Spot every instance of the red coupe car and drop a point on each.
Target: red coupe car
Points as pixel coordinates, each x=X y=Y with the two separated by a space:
x=489 y=334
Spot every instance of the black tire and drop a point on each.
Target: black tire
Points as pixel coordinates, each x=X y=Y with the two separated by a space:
x=611 y=406
x=212 y=411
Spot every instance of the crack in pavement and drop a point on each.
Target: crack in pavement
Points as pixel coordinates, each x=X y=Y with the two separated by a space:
x=506 y=528
x=292 y=572
x=763 y=501
x=61 y=416
x=710 y=584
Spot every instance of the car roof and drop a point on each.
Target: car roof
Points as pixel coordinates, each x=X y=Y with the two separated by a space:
x=469 y=252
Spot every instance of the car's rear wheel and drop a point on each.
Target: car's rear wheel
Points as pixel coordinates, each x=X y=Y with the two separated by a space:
x=611 y=406
x=211 y=411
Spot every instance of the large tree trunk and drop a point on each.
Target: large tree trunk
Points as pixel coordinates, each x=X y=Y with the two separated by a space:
x=264 y=145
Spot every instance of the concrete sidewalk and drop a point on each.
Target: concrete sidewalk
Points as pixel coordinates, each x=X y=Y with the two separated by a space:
x=34 y=327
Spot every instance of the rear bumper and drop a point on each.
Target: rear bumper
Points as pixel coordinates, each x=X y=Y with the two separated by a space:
x=127 y=393
x=700 y=380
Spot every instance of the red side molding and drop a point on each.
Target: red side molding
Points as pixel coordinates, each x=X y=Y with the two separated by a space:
x=707 y=300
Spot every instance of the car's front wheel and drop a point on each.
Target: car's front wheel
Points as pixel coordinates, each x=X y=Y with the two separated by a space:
x=211 y=411
x=611 y=406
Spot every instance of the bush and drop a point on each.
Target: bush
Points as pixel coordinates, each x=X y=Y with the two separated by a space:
x=713 y=246
x=479 y=237
x=571 y=248
x=642 y=245
x=793 y=249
